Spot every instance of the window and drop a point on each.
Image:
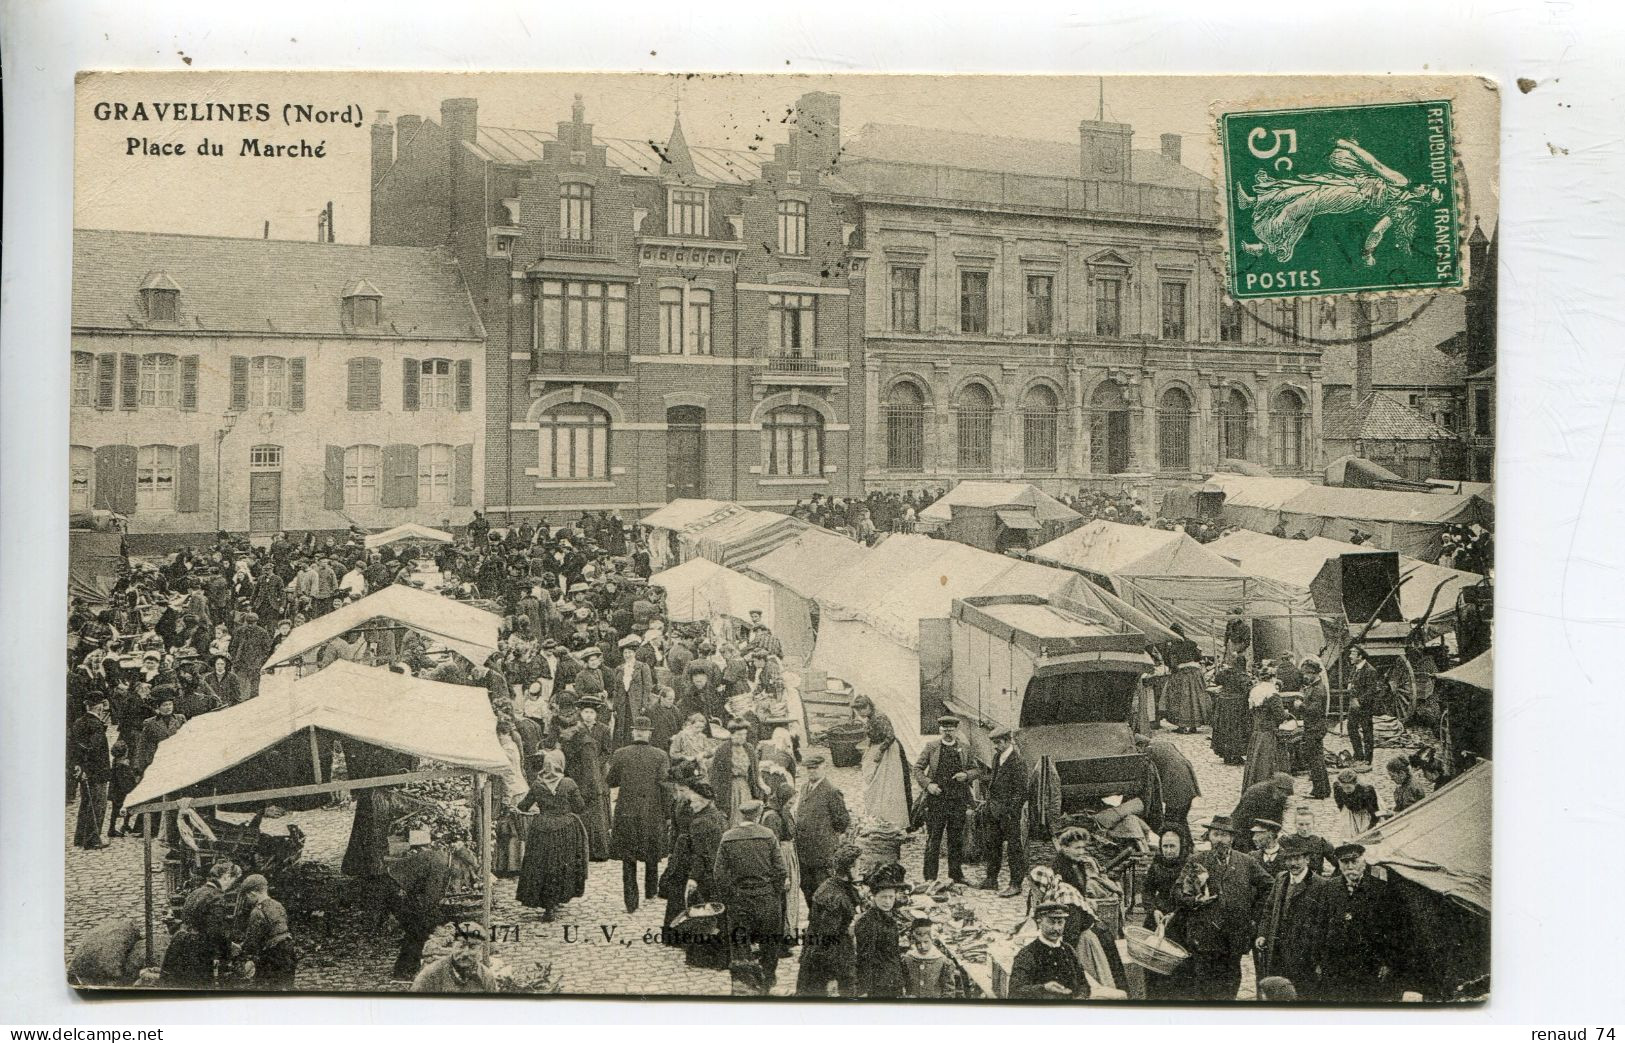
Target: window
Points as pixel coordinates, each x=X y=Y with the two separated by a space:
x=905 y=428
x=905 y=300
x=685 y=330
x=792 y=227
x=366 y=311
x=434 y=474
x=265 y=458
x=1229 y=322
x=685 y=213
x=158 y=380
x=1232 y=414
x=1040 y=304
x=1173 y=311
x=161 y=305
x=81 y=478
x=794 y=439
x=792 y=328
x=434 y=384
x=267 y=381
x=84 y=378
x=574 y=442
x=1287 y=423
x=1289 y=322
x=583 y=317
x=1483 y=413
x=360 y=475
x=973 y=302
x=1108 y=307
x=155 y=478
x=575 y=211
x=974 y=423
x=1039 y=428
x=1174 y=430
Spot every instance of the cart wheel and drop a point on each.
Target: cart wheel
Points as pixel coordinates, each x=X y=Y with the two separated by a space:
x=1402 y=682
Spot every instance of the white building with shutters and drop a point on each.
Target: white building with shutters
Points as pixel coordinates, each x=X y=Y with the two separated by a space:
x=261 y=385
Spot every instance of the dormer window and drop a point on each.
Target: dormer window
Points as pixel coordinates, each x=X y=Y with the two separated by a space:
x=685 y=212
x=363 y=305
x=160 y=298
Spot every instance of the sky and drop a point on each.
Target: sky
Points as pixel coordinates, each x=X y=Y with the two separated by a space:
x=235 y=195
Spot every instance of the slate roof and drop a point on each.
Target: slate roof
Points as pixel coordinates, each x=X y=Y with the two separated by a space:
x=1410 y=356
x=1378 y=417
x=267 y=286
x=900 y=143
x=643 y=158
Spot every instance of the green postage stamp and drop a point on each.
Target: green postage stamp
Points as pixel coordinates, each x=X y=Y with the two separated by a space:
x=1341 y=199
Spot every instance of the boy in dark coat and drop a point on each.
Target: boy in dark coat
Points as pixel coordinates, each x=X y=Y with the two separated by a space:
x=827 y=954
x=878 y=956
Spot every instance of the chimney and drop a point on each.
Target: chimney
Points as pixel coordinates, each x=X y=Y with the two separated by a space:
x=1170 y=147
x=405 y=127
x=818 y=130
x=1104 y=151
x=383 y=145
x=461 y=118
x=1362 y=349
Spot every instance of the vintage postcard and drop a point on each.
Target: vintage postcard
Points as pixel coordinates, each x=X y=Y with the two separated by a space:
x=907 y=538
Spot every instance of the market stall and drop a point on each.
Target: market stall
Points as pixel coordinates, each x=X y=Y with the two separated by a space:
x=796 y=571
x=700 y=590
x=241 y=757
x=996 y=516
x=667 y=522
x=468 y=631
x=409 y=531
x=737 y=539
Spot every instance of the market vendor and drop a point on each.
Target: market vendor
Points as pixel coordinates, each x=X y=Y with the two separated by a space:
x=1047 y=968
x=267 y=943
x=422 y=876
x=204 y=935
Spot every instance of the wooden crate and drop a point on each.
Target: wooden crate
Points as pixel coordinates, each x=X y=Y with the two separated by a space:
x=822 y=710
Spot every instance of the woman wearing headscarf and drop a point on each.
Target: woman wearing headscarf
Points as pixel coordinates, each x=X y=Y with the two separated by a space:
x=1264 y=705
x=887 y=791
x=694 y=742
x=1161 y=883
x=555 y=867
x=778 y=817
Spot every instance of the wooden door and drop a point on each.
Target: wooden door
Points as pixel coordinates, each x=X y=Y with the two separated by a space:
x=264 y=501
x=685 y=453
x=1117 y=442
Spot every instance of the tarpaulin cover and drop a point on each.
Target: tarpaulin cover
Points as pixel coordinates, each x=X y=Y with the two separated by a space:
x=1408 y=522
x=796 y=571
x=700 y=589
x=680 y=514
x=94 y=562
x=1017 y=519
x=1478 y=673
x=448 y=723
x=1255 y=502
x=993 y=495
x=466 y=630
x=1356 y=472
x=408 y=531
x=738 y=539
x=1442 y=842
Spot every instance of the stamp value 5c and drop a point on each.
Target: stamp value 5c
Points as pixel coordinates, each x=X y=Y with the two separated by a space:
x=1344 y=199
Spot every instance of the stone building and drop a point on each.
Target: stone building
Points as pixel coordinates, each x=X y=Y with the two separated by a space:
x=1055 y=314
x=1479 y=433
x=665 y=320
x=260 y=385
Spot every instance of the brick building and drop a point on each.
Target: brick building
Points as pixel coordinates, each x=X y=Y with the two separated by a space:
x=664 y=320
x=258 y=385
x=1054 y=314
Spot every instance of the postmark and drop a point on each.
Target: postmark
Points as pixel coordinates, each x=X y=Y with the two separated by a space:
x=1341 y=199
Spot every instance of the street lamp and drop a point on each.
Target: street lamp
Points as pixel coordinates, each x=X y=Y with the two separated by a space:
x=228 y=421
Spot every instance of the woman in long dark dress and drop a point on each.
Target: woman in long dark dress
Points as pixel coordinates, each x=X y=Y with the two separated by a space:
x=555 y=866
x=1264 y=754
x=1161 y=880
x=1232 y=726
x=1184 y=693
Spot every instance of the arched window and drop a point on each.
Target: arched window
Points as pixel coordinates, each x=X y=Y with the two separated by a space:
x=1039 y=429
x=575 y=211
x=1174 y=430
x=1235 y=422
x=793 y=439
x=1287 y=424
x=574 y=442
x=81 y=477
x=973 y=412
x=1108 y=429
x=905 y=428
x=360 y=475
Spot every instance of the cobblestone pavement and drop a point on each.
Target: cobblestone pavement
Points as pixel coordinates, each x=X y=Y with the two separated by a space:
x=594 y=943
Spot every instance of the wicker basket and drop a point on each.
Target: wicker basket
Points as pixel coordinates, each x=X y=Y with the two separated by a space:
x=1152 y=951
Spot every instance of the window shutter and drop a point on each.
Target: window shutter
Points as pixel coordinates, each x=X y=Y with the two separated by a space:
x=372 y=382
x=409 y=384
x=115 y=478
x=129 y=381
x=106 y=379
x=296 y=383
x=400 y=476
x=462 y=475
x=352 y=392
x=189 y=382
x=239 y=382
x=465 y=385
x=333 y=488
x=186 y=478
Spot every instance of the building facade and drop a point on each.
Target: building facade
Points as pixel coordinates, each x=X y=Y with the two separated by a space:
x=256 y=386
x=664 y=320
x=1055 y=315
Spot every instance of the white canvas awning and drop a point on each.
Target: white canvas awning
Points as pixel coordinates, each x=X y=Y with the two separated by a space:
x=448 y=723
x=407 y=531
x=1022 y=497
x=700 y=589
x=470 y=632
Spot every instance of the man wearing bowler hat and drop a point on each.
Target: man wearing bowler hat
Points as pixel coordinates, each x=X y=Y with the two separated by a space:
x=1292 y=921
x=637 y=772
x=1238 y=883
x=945 y=769
x=1006 y=798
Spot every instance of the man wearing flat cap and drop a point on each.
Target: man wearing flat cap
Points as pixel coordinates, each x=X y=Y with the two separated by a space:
x=821 y=820
x=638 y=834
x=1006 y=798
x=463 y=969
x=945 y=769
x=1366 y=930
x=1047 y=968
x=750 y=879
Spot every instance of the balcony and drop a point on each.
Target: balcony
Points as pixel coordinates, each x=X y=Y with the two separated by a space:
x=600 y=244
x=582 y=367
x=820 y=367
